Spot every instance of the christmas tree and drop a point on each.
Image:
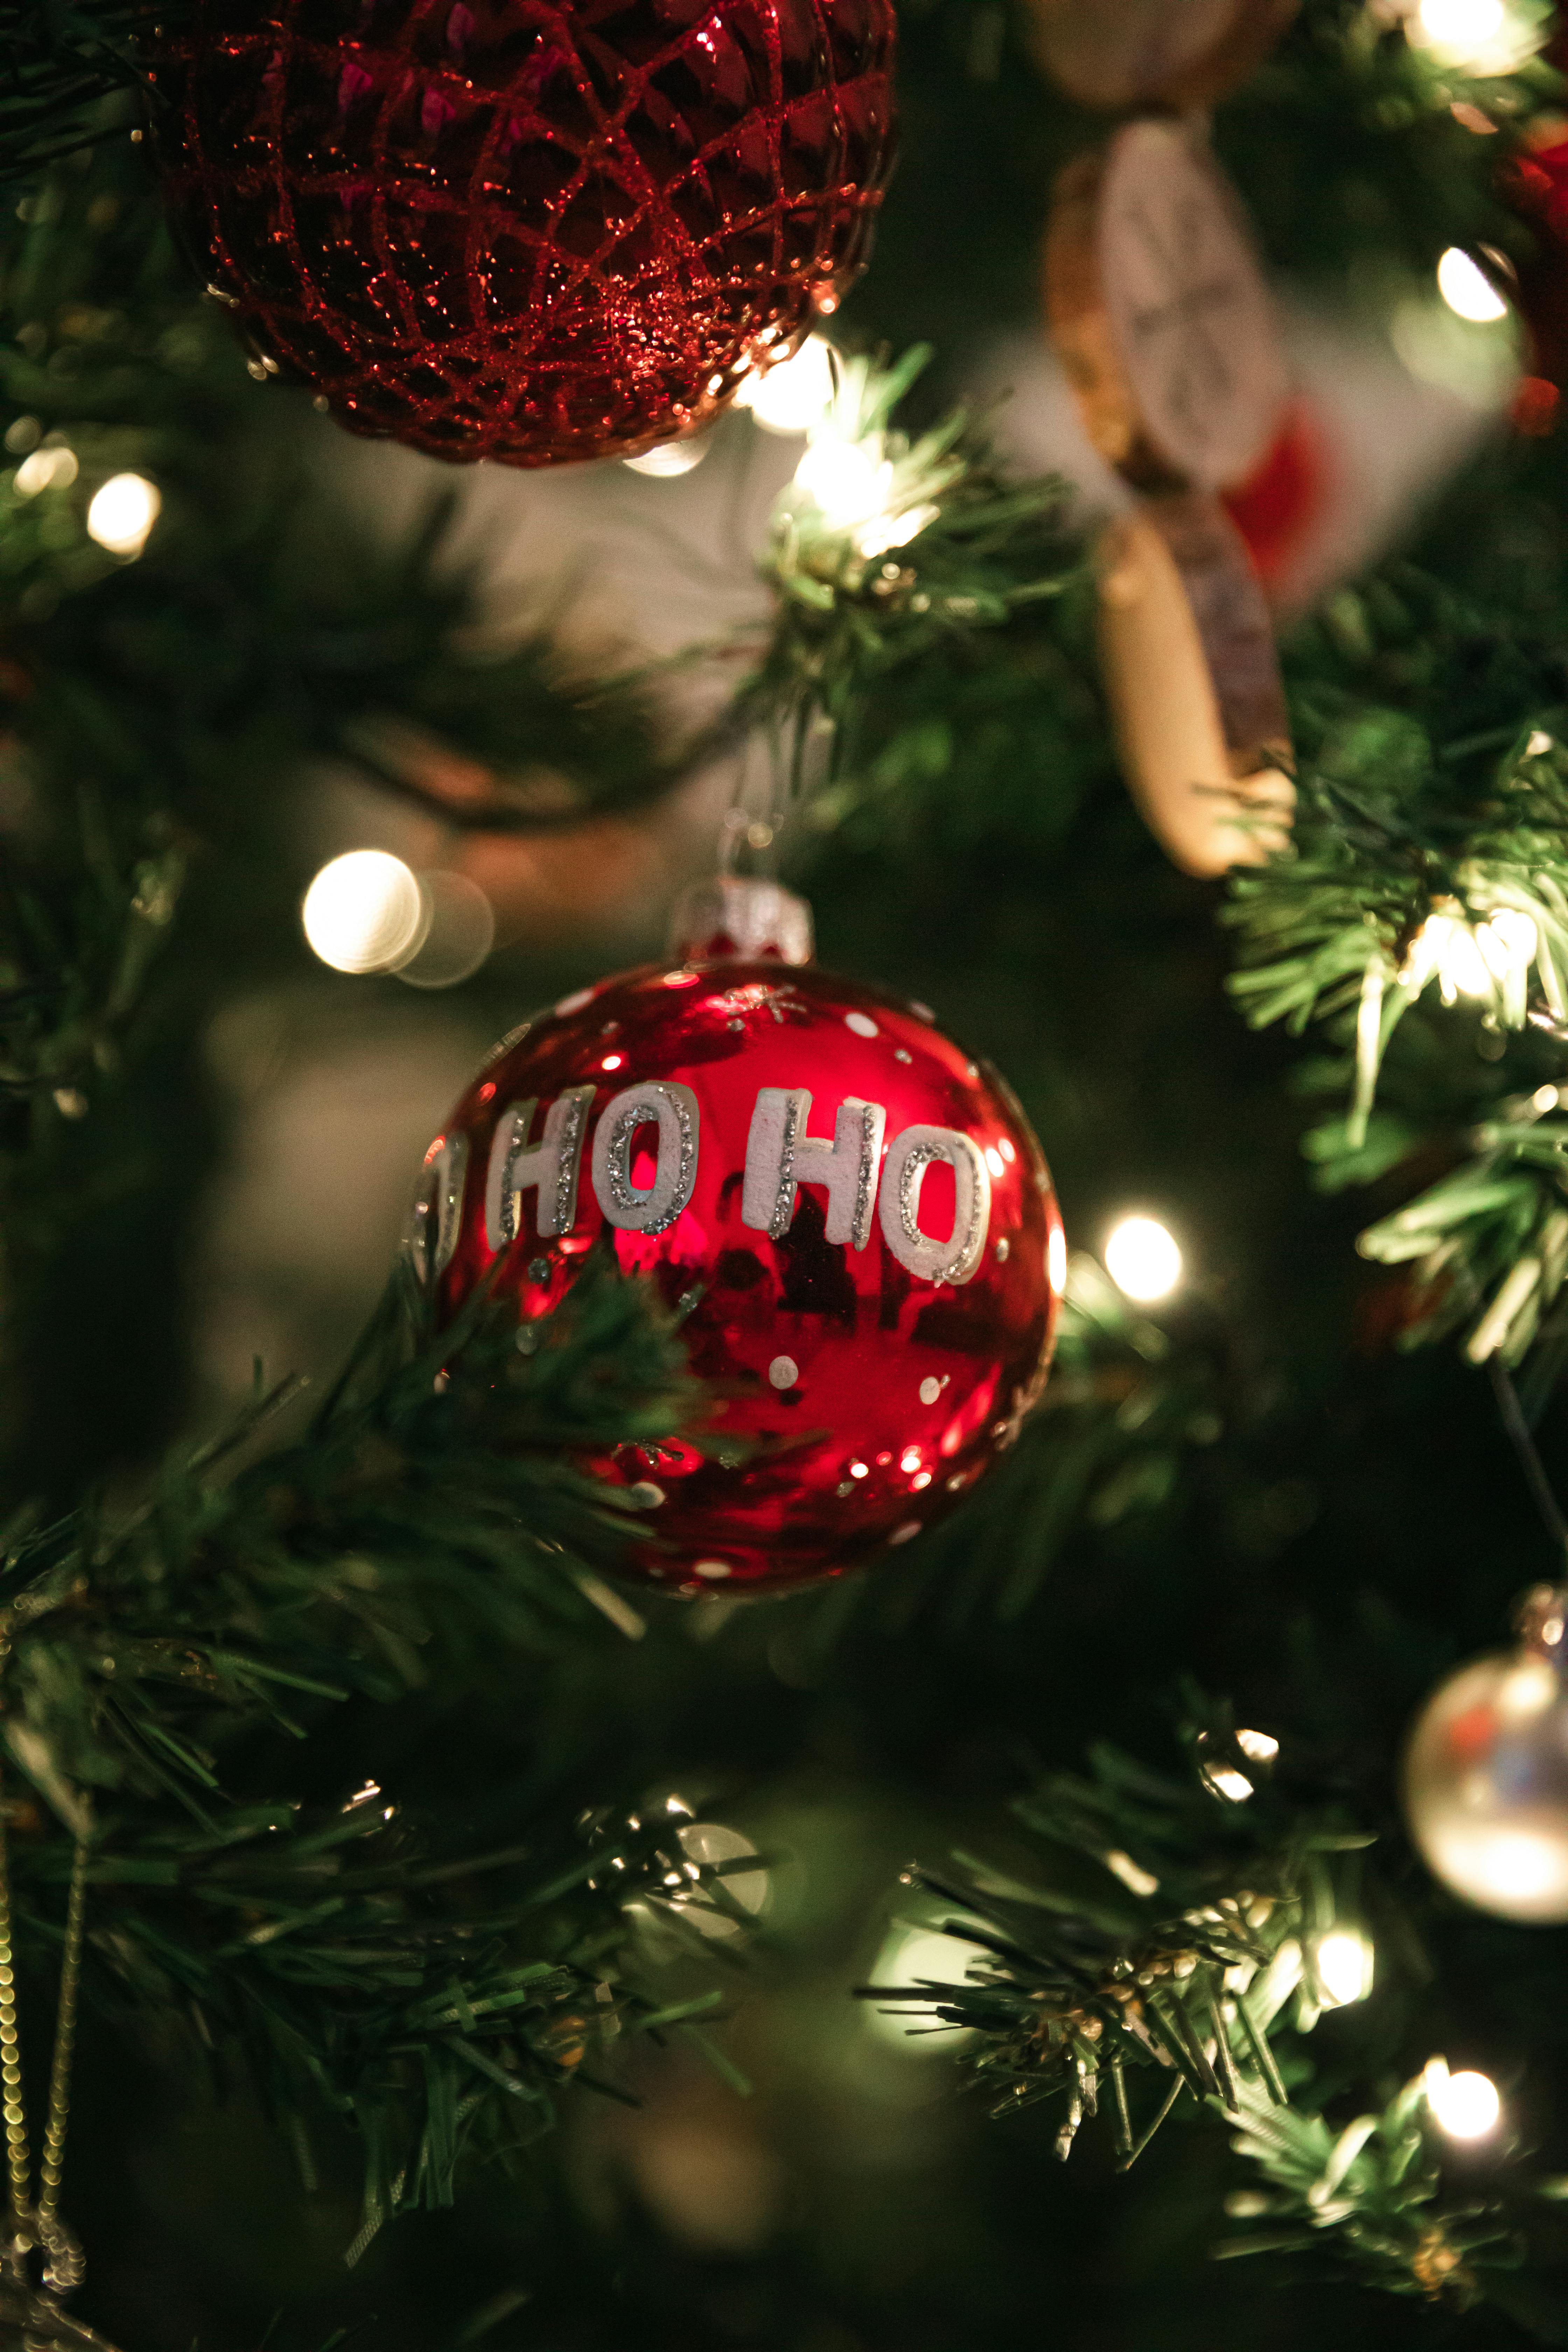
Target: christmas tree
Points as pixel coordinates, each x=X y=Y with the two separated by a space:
x=606 y=1758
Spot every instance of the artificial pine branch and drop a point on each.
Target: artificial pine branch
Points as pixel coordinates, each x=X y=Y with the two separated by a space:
x=1165 y=1955
x=426 y=1526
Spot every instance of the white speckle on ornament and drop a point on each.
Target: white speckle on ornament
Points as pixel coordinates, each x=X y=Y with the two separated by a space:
x=612 y=1061
x=900 y=1055
x=646 y=1495
x=679 y=980
x=1003 y=1249
x=844 y=1486
x=1056 y=1259
x=909 y=1459
x=573 y=1003
x=921 y=1480
x=862 y=1025
x=971 y=1069
x=714 y=1571
x=1005 y=1148
x=783 y=1372
x=907 y=1533
x=930 y=1389
x=859 y=1470
x=922 y=1011
x=993 y=1161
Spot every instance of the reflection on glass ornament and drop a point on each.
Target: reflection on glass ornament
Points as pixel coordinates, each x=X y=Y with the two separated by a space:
x=1468 y=290
x=669 y=460
x=794 y=394
x=1142 y=1259
x=854 y=1219
x=1486 y=1774
x=122 y=512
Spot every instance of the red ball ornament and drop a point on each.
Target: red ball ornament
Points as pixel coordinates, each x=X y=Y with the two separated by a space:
x=531 y=230
x=862 y=1214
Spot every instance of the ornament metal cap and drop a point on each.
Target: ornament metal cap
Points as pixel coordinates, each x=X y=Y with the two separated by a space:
x=740 y=915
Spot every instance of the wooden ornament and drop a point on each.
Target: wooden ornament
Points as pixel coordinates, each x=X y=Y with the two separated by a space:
x=1190 y=672
x=1121 y=53
x=1160 y=312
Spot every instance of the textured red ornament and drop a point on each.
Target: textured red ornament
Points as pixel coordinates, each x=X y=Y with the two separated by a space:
x=865 y=1395
x=531 y=230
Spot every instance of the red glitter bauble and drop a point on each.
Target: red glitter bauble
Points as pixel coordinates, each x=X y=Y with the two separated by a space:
x=859 y=1212
x=532 y=230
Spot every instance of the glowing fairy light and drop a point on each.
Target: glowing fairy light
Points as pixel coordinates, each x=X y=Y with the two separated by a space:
x=365 y=912
x=849 y=481
x=1480 y=38
x=1461 y=27
x=1466 y=2107
x=1475 y=960
x=123 y=512
x=705 y=1846
x=46 y=469
x=1142 y=1259
x=1468 y=290
x=912 y=1957
x=852 y=485
x=796 y=394
x=1345 y=1963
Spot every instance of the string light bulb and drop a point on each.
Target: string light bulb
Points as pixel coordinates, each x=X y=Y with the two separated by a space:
x=1466 y=2107
x=852 y=485
x=365 y=912
x=795 y=394
x=1470 y=959
x=1142 y=1259
x=1461 y=27
x=1481 y=37
x=1468 y=290
x=1345 y=1963
x=913 y=1956
x=368 y=912
x=123 y=512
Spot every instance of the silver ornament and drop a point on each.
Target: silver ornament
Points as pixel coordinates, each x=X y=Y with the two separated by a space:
x=1485 y=1773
